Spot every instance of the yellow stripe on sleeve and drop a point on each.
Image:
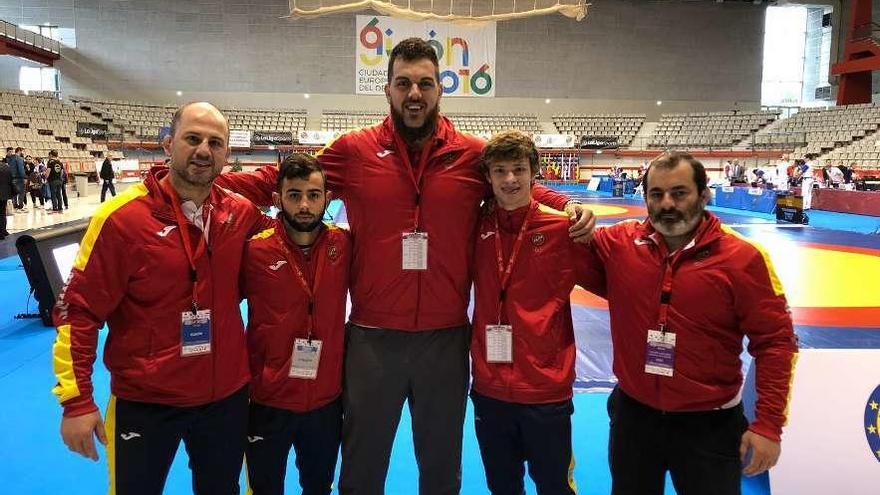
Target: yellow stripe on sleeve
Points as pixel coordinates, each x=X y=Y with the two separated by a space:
x=794 y=360
x=101 y=215
x=264 y=234
x=774 y=280
x=62 y=365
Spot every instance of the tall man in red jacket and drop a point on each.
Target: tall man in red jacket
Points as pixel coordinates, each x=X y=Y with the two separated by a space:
x=683 y=291
x=523 y=348
x=160 y=264
x=412 y=189
x=295 y=277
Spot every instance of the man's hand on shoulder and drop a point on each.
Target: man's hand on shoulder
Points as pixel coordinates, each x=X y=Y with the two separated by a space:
x=583 y=222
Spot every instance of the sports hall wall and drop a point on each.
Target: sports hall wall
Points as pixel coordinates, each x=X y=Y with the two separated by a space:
x=624 y=57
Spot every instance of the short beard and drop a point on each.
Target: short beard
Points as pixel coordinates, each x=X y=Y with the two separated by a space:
x=685 y=225
x=415 y=134
x=303 y=227
x=186 y=177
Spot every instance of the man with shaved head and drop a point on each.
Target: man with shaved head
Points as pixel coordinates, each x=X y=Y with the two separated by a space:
x=159 y=264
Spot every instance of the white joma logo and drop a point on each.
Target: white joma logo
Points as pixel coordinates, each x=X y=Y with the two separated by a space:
x=167 y=230
x=129 y=436
x=277 y=265
x=384 y=153
x=254 y=439
x=486 y=235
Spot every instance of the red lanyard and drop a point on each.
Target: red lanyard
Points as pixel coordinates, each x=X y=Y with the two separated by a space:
x=504 y=273
x=416 y=174
x=665 y=296
x=300 y=277
x=183 y=227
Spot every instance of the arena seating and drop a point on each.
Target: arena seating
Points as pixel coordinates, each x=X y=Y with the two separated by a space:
x=709 y=129
x=477 y=123
x=490 y=123
x=267 y=119
x=865 y=153
x=819 y=130
x=345 y=120
x=40 y=122
x=622 y=126
x=143 y=120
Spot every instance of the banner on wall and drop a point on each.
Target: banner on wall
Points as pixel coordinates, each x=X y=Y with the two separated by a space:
x=554 y=140
x=317 y=137
x=239 y=139
x=466 y=54
x=271 y=138
x=91 y=130
x=599 y=142
x=124 y=170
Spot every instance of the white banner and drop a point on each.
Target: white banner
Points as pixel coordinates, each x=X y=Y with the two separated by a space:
x=239 y=139
x=466 y=54
x=832 y=441
x=317 y=137
x=554 y=140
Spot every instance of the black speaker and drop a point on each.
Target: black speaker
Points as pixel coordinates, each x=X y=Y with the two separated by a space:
x=48 y=254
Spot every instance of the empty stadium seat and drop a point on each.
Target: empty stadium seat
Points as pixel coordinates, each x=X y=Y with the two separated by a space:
x=621 y=126
x=709 y=129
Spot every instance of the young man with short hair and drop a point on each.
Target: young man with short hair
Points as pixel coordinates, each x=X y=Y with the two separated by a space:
x=523 y=348
x=295 y=278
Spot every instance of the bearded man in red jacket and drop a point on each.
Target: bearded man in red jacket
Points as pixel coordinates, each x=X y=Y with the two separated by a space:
x=295 y=278
x=683 y=290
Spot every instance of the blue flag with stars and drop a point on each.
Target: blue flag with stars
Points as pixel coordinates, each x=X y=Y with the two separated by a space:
x=872 y=422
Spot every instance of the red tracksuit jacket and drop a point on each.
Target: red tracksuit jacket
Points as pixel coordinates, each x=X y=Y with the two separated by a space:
x=547 y=267
x=369 y=170
x=133 y=273
x=723 y=288
x=278 y=314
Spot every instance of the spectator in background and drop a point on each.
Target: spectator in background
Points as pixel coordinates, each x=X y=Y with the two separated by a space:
x=64 y=186
x=5 y=195
x=737 y=174
x=107 y=176
x=848 y=172
x=35 y=182
x=56 y=168
x=782 y=175
x=832 y=175
x=760 y=179
x=802 y=175
x=16 y=168
x=47 y=193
